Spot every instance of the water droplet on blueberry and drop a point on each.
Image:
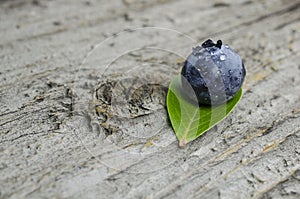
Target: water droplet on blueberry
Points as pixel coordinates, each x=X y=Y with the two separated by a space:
x=222 y=57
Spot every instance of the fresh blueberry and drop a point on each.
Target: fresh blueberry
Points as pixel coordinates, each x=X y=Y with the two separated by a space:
x=215 y=72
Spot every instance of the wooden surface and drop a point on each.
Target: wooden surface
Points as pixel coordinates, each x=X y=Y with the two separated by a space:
x=82 y=110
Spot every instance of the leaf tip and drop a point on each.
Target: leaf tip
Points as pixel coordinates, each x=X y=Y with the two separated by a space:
x=182 y=143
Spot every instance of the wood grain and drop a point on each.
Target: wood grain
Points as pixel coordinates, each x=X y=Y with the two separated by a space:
x=82 y=90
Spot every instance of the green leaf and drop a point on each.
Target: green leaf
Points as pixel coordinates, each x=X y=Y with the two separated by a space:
x=190 y=121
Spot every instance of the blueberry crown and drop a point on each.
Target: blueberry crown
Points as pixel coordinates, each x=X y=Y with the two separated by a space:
x=209 y=43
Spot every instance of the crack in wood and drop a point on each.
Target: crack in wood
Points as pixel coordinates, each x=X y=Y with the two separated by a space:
x=291 y=8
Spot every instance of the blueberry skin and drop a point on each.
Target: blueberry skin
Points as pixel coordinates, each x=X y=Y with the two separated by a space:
x=212 y=74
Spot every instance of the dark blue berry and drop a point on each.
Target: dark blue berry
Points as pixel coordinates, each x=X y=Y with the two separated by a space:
x=215 y=73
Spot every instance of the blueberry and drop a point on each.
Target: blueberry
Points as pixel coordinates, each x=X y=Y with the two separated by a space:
x=215 y=72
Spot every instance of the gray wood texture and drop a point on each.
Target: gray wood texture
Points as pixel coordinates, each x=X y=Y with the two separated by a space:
x=82 y=100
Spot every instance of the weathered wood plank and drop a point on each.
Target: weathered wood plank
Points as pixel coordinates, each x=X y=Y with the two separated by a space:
x=59 y=134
